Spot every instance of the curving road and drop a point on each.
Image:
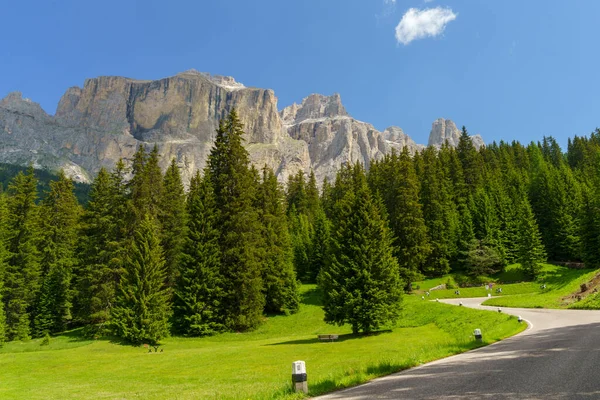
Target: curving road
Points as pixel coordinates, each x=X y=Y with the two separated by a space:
x=557 y=357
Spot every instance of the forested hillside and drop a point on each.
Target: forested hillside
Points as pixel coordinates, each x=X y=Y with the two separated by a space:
x=145 y=259
x=44 y=176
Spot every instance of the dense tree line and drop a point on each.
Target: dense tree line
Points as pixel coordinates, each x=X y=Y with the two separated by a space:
x=145 y=257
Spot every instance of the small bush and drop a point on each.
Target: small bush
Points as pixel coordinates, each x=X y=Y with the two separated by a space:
x=45 y=340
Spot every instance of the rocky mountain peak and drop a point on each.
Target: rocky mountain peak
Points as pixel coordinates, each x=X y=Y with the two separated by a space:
x=445 y=130
x=314 y=107
x=15 y=102
x=225 y=82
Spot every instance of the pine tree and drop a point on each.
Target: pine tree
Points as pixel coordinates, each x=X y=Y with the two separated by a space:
x=60 y=223
x=296 y=193
x=411 y=246
x=470 y=160
x=438 y=211
x=22 y=274
x=313 y=203
x=3 y=259
x=234 y=185
x=590 y=227
x=153 y=179
x=319 y=245
x=360 y=282
x=279 y=278
x=172 y=220
x=142 y=311
x=530 y=248
x=300 y=234
x=101 y=249
x=199 y=292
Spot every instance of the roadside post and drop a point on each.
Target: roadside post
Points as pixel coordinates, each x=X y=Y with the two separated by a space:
x=477 y=334
x=299 y=379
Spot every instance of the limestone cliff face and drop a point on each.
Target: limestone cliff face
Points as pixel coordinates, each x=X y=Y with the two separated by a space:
x=110 y=117
x=443 y=130
x=334 y=138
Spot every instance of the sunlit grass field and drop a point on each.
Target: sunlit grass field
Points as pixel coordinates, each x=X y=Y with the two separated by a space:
x=559 y=281
x=254 y=365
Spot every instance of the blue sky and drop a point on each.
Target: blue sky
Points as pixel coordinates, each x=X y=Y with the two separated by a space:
x=507 y=69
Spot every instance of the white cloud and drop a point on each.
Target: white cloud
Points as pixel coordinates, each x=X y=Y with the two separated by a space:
x=419 y=24
x=392 y=2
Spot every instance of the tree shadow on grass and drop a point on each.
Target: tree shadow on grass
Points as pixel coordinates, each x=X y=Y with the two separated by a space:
x=312 y=297
x=341 y=338
x=75 y=335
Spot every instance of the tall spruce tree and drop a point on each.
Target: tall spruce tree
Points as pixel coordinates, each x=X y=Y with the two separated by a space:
x=101 y=248
x=411 y=245
x=3 y=259
x=21 y=283
x=319 y=244
x=301 y=233
x=530 y=248
x=438 y=213
x=279 y=277
x=172 y=218
x=590 y=227
x=197 y=309
x=60 y=225
x=360 y=282
x=143 y=310
x=470 y=160
x=234 y=185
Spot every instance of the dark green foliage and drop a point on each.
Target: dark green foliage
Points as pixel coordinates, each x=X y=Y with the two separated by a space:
x=590 y=228
x=199 y=289
x=60 y=225
x=101 y=250
x=471 y=162
x=439 y=214
x=21 y=281
x=9 y=171
x=3 y=259
x=296 y=195
x=395 y=180
x=319 y=245
x=172 y=219
x=142 y=311
x=240 y=241
x=483 y=259
x=279 y=279
x=46 y=340
x=530 y=248
x=360 y=282
x=301 y=232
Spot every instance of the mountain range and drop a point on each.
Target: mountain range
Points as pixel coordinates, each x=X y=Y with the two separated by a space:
x=110 y=117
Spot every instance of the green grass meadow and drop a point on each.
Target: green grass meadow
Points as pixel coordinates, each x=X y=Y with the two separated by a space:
x=255 y=365
x=560 y=282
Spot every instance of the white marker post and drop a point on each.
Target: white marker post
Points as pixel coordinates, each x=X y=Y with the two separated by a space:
x=299 y=379
x=477 y=334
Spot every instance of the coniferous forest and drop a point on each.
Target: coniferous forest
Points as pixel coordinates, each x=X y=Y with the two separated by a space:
x=145 y=258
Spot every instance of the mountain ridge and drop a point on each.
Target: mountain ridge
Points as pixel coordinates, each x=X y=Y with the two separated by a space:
x=111 y=116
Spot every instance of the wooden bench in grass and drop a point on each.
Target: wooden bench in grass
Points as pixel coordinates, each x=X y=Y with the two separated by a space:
x=329 y=338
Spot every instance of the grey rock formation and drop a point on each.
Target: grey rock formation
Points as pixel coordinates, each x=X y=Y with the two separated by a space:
x=110 y=117
x=444 y=130
x=333 y=137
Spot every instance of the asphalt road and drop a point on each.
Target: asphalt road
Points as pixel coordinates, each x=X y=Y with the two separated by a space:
x=557 y=357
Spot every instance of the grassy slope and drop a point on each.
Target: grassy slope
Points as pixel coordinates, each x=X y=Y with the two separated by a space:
x=559 y=281
x=239 y=366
